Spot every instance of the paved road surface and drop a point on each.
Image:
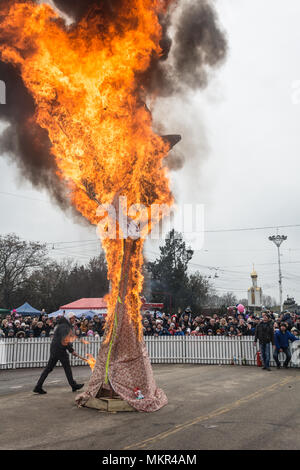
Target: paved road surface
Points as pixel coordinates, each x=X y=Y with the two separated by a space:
x=210 y=407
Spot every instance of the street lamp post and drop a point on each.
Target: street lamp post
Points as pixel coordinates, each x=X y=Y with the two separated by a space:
x=278 y=240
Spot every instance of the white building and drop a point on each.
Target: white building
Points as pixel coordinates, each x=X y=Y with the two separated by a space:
x=254 y=292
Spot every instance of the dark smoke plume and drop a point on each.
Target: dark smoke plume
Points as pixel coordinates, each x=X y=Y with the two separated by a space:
x=198 y=44
x=25 y=140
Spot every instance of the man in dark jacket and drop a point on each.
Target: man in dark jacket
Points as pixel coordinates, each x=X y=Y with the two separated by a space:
x=265 y=334
x=282 y=338
x=287 y=318
x=61 y=343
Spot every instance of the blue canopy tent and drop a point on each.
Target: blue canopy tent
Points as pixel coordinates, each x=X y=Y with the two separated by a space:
x=56 y=314
x=88 y=313
x=27 y=310
x=78 y=314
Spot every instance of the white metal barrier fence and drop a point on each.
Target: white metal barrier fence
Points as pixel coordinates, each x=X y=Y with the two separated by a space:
x=22 y=353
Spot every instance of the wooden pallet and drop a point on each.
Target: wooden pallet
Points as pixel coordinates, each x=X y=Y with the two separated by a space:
x=109 y=404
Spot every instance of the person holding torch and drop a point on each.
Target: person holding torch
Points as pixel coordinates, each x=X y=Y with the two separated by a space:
x=61 y=343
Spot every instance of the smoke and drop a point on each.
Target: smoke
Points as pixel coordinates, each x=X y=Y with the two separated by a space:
x=24 y=140
x=192 y=44
x=199 y=44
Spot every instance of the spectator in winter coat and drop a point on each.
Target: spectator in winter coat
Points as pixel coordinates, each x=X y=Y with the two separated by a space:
x=38 y=328
x=84 y=326
x=295 y=332
x=188 y=312
x=212 y=326
x=287 y=318
x=282 y=338
x=242 y=327
x=20 y=334
x=172 y=329
x=185 y=321
x=223 y=323
x=5 y=327
x=78 y=332
x=265 y=334
x=164 y=332
x=48 y=327
x=179 y=332
x=98 y=326
x=232 y=331
x=250 y=328
x=148 y=331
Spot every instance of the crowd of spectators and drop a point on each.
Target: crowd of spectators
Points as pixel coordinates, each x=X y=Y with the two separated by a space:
x=156 y=323
x=17 y=326
x=233 y=323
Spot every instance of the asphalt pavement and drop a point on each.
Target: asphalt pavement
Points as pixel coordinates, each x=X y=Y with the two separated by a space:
x=210 y=407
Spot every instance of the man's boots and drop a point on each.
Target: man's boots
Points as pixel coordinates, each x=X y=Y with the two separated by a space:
x=77 y=387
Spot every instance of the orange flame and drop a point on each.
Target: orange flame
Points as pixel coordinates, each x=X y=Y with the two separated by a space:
x=91 y=361
x=88 y=97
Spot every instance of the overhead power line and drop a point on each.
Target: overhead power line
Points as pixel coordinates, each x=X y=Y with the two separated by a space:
x=251 y=228
x=21 y=196
x=219 y=230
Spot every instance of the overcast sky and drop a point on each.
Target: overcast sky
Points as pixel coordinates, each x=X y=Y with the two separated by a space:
x=241 y=142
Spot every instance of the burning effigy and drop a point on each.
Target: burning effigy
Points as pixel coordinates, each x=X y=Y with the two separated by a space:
x=85 y=84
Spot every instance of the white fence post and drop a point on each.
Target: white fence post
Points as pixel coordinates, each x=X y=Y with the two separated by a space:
x=15 y=353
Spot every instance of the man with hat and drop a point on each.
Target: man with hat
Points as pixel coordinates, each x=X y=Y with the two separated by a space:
x=61 y=343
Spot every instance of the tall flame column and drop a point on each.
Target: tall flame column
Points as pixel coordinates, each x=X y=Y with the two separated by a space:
x=123 y=362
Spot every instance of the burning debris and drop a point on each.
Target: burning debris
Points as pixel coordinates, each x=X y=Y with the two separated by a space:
x=79 y=126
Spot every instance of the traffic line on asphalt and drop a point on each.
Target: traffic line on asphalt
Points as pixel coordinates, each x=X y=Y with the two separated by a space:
x=213 y=414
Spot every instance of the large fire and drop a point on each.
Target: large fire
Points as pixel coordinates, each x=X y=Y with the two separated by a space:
x=84 y=82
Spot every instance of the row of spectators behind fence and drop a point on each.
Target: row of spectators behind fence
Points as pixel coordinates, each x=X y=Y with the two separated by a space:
x=17 y=326
x=154 y=323
x=233 y=323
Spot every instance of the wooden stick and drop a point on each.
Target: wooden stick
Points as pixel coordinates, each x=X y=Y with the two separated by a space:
x=82 y=358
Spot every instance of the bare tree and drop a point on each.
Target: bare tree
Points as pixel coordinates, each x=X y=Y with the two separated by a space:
x=269 y=301
x=17 y=261
x=226 y=300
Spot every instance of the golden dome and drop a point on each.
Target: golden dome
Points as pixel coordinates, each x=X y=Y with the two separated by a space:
x=254 y=273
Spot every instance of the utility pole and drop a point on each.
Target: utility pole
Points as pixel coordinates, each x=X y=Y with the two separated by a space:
x=278 y=240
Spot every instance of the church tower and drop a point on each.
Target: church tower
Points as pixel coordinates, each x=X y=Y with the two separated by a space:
x=254 y=292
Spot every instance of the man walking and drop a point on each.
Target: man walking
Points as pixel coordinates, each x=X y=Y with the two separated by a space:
x=265 y=334
x=282 y=338
x=63 y=336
